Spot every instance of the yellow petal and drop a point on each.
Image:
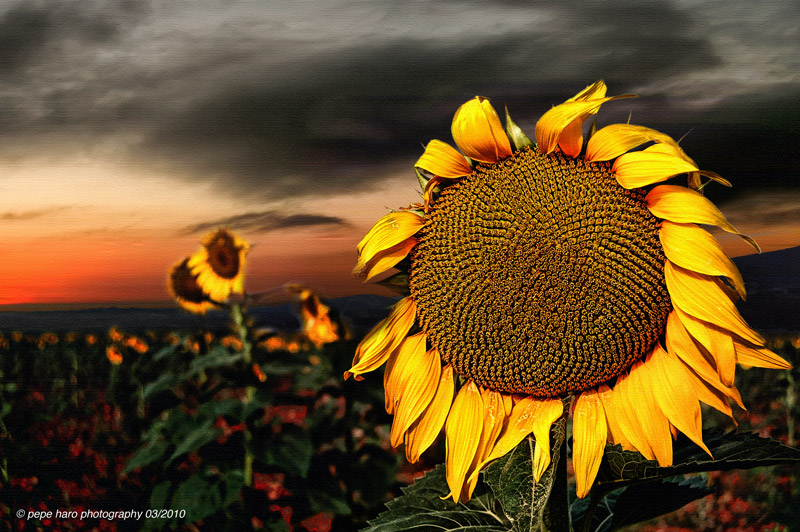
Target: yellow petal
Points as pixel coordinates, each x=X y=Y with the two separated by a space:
x=391 y=229
x=478 y=132
x=519 y=424
x=654 y=424
x=615 y=434
x=683 y=205
x=571 y=138
x=415 y=376
x=553 y=122
x=681 y=344
x=463 y=428
x=546 y=414
x=616 y=139
x=701 y=297
x=382 y=340
x=424 y=431
x=678 y=401
x=589 y=433
x=386 y=259
x=442 y=160
x=641 y=168
x=493 y=418
x=693 y=248
x=759 y=357
x=724 y=354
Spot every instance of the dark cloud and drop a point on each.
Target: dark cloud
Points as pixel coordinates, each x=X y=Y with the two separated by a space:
x=31 y=32
x=259 y=108
x=267 y=221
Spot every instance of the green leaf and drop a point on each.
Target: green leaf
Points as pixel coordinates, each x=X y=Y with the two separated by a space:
x=734 y=450
x=421 y=508
x=290 y=450
x=524 y=501
x=515 y=134
x=165 y=351
x=146 y=455
x=158 y=499
x=218 y=357
x=638 y=503
x=198 y=437
x=164 y=382
x=198 y=497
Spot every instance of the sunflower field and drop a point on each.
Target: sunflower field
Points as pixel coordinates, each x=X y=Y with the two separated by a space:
x=121 y=421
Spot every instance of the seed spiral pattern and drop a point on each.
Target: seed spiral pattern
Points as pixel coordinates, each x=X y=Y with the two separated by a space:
x=540 y=275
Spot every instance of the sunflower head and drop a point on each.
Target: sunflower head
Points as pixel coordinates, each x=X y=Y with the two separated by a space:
x=183 y=286
x=560 y=266
x=219 y=264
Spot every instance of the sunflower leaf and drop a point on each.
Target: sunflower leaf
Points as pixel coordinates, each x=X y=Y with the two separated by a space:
x=634 y=504
x=421 y=508
x=734 y=450
x=525 y=502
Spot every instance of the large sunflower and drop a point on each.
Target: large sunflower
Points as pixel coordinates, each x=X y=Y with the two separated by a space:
x=540 y=271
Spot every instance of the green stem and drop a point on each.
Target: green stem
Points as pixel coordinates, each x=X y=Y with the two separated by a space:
x=556 y=515
x=250 y=391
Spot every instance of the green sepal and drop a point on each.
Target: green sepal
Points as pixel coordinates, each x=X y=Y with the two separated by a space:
x=397 y=283
x=515 y=134
x=422 y=178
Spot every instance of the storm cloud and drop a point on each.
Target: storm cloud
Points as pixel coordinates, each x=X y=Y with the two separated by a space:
x=290 y=99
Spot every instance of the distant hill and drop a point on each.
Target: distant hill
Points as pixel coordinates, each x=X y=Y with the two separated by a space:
x=772 y=280
x=360 y=312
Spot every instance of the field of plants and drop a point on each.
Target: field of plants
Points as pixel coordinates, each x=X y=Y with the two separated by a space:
x=257 y=430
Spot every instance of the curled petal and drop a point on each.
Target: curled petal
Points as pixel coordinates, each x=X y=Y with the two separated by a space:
x=391 y=229
x=641 y=168
x=693 y=248
x=589 y=430
x=478 y=132
x=546 y=414
x=570 y=140
x=386 y=259
x=616 y=139
x=683 y=205
x=384 y=338
x=553 y=122
x=442 y=160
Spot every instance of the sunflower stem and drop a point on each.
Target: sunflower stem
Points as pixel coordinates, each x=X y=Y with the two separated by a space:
x=250 y=391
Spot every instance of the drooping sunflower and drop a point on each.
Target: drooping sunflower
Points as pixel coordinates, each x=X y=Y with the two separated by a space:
x=183 y=286
x=219 y=264
x=536 y=271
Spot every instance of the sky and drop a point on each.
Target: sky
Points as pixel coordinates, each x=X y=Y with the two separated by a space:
x=131 y=128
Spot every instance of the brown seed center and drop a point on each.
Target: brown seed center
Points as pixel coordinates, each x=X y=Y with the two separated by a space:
x=540 y=275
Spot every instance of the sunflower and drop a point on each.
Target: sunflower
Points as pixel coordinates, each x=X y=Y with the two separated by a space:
x=219 y=264
x=183 y=286
x=557 y=272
